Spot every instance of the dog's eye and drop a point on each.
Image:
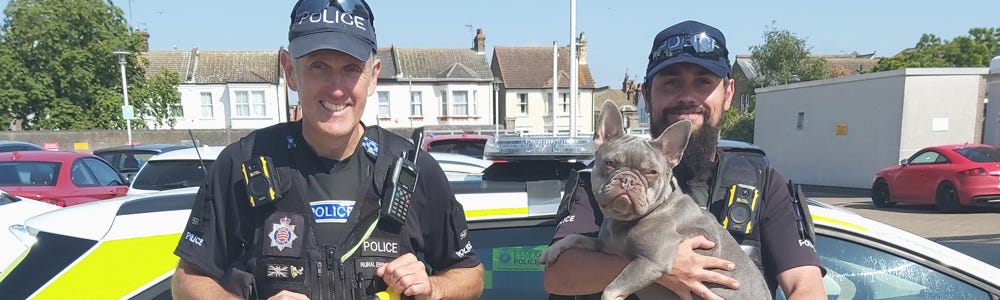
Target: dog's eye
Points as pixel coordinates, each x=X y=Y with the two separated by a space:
x=609 y=163
x=651 y=173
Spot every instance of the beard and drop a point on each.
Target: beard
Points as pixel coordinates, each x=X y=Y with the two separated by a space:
x=698 y=159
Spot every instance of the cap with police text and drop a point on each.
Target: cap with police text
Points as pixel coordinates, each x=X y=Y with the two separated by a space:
x=689 y=42
x=343 y=25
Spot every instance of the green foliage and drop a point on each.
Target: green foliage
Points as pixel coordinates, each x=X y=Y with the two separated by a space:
x=785 y=58
x=974 y=50
x=58 y=69
x=738 y=126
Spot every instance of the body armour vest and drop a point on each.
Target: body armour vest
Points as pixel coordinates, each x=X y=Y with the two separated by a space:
x=288 y=254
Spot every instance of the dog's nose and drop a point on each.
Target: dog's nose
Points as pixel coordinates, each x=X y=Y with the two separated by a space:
x=628 y=182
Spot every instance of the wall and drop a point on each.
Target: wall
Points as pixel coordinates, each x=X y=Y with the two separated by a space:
x=949 y=97
x=97 y=139
x=480 y=104
x=867 y=106
x=991 y=126
x=223 y=107
x=538 y=119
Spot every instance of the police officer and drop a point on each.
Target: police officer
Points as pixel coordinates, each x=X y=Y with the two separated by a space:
x=294 y=211
x=687 y=77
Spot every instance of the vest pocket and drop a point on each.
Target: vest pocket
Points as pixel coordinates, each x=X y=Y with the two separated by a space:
x=366 y=275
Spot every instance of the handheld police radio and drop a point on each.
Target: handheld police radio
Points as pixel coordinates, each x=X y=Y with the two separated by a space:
x=740 y=208
x=399 y=188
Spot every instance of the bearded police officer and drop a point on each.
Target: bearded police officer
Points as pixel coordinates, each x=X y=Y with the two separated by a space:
x=296 y=210
x=687 y=77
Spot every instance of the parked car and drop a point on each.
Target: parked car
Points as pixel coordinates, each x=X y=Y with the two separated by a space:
x=59 y=177
x=464 y=143
x=175 y=169
x=8 y=146
x=123 y=248
x=13 y=211
x=461 y=167
x=948 y=176
x=127 y=160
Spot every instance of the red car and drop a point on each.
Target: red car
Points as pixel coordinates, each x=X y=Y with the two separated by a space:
x=948 y=176
x=60 y=178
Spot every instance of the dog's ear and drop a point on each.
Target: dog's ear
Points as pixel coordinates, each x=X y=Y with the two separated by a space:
x=674 y=140
x=609 y=124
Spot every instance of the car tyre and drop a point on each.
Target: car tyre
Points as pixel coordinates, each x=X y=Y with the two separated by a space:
x=880 y=195
x=947 y=198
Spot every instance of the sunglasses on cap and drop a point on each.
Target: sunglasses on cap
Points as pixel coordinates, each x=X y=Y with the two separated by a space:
x=696 y=44
x=351 y=7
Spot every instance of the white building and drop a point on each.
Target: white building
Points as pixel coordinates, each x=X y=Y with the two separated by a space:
x=224 y=89
x=991 y=126
x=428 y=87
x=525 y=92
x=839 y=132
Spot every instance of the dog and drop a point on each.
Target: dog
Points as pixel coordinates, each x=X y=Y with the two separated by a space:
x=647 y=216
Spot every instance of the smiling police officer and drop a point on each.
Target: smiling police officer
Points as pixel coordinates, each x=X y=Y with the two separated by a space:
x=296 y=210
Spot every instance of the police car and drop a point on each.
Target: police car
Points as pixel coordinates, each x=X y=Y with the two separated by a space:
x=123 y=248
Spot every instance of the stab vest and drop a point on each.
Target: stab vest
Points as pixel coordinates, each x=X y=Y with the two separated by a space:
x=318 y=266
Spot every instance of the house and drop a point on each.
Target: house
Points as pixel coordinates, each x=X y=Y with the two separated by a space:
x=627 y=100
x=840 y=131
x=525 y=95
x=428 y=87
x=224 y=89
x=747 y=77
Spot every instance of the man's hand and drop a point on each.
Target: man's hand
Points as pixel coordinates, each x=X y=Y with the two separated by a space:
x=286 y=295
x=690 y=271
x=408 y=276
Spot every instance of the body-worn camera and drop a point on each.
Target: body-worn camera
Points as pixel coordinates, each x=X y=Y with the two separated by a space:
x=262 y=181
x=740 y=211
x=399 y=190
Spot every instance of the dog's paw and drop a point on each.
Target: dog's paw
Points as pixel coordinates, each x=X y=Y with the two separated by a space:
x=548 y=256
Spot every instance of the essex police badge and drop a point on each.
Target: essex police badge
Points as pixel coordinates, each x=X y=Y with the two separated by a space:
x=283 y=234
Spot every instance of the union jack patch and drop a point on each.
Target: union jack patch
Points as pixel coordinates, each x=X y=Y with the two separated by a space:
x=277 y=271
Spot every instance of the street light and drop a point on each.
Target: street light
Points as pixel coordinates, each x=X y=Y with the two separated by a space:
x=127 y=111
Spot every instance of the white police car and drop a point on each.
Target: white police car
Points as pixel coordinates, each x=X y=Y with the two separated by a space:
x=175 y=169
x=123 y=248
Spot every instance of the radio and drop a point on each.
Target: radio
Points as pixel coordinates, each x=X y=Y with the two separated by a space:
x=261 y=181
x=740 y=211
x=399 y=190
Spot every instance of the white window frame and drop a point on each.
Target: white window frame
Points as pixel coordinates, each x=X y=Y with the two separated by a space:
x=384 y=109
x=416 y=104
x=444 y=103
x=241 y=104
x=522 y=103
x=207 y=106
x=459 y=107
x=258 y=104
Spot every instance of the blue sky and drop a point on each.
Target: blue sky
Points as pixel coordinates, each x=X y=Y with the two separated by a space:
x=619 y=31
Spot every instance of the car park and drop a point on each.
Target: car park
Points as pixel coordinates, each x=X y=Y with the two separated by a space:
x=9 y=146
x=13 y=211
x=127 y=160
x=175 y=169
x=59 y=177
x=948 y=176
x=123 y=248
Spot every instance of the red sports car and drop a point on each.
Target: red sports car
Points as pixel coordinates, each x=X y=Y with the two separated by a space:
x=60 y=178
x=949 y=176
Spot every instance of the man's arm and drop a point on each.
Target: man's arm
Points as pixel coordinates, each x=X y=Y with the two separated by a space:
x=582 y=272
x=805 y=282
x=458 y=283
x=191 y=283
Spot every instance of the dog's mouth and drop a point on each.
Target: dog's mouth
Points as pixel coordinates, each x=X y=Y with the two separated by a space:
x=620 y=204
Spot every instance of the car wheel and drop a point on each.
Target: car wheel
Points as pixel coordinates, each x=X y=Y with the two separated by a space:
x=880 y=195
x=947 y=198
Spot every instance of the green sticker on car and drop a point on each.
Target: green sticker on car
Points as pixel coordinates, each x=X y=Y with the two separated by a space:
x=518 y=258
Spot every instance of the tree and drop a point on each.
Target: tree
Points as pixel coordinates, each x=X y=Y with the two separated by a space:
x=59 y=71
x=738 y=126
x=974 y=50
x=785 y=58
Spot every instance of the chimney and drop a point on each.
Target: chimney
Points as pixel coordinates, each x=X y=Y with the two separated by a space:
x=144 y=45
x=581 y=49
x=479 y=43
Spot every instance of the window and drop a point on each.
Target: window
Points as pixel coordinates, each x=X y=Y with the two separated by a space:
x=171 y=174
x=250 y=104
x=81 y=176
x=416 y=106
x=444 y=103
x=207 y=110
x=927 y=157
x=522 y=103
x=259 y=106
x=383 y=103
x=242 y=103
x=548 y=104
x=980 y=154
x=564 y=103
x=460 y=100
x=177 y=110
x=799 y=122
x=857 y=271
x=106 y=176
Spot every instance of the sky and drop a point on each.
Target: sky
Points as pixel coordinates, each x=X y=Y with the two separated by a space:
x=619 y=32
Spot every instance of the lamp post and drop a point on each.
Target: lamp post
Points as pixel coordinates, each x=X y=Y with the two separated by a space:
x=127 y=111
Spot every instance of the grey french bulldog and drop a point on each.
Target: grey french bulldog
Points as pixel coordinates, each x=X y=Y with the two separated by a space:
x=647 y=216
